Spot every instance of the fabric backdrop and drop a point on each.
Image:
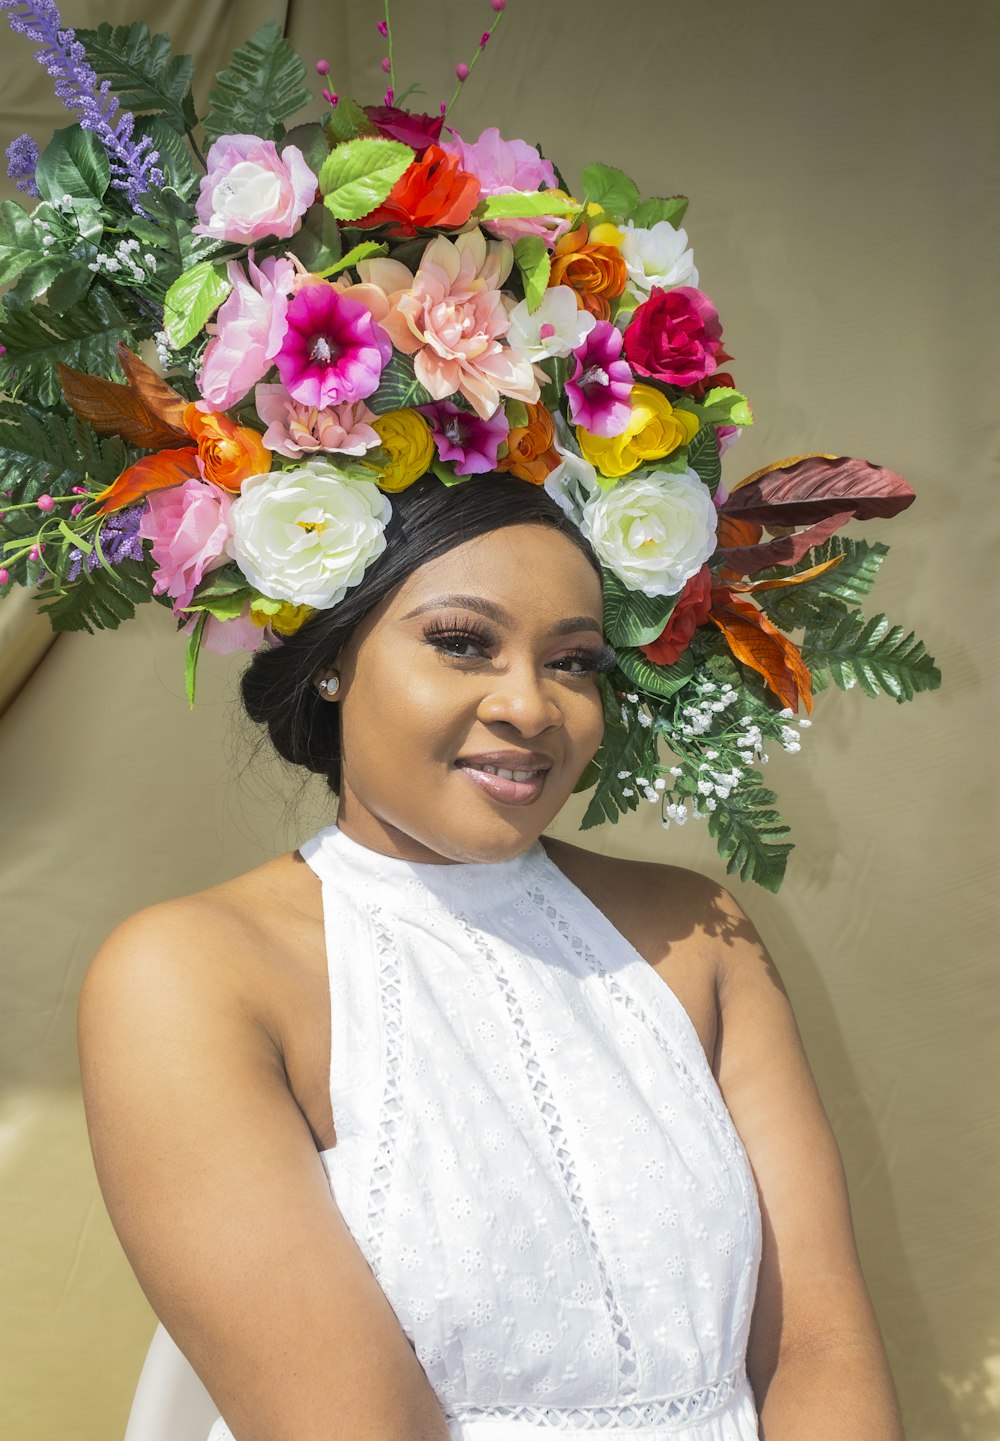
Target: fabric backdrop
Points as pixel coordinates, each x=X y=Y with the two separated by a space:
x=842 y=172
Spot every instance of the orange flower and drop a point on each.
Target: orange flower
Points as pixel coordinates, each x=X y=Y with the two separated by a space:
x=229 y=452
x=433 y=191
x=596 y=272
x=530 y=452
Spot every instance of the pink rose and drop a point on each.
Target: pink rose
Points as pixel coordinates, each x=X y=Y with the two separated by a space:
x=250 y=191
x=294 y=429
x=187 y=526
x=675 y=335
x=223 y=637
x=248 y=331
x=502 y=166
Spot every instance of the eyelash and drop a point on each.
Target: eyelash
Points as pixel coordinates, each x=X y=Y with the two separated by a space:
x=601 y=661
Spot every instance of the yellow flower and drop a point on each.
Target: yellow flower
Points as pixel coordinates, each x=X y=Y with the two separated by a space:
x=606 y=234
x=281 y=615
x=406 y=438
x=654 y=429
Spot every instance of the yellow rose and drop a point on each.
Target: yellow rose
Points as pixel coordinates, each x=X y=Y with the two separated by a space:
x=654 y=429
x=606 y=234
x=281 y=615
x=406 y=438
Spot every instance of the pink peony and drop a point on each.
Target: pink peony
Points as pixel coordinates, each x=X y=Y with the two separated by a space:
x=187 y=526
x=450 y=317
x=332 y=350
x=250 y=191
x=502 y=166
x=294 y=429
x=247 y=332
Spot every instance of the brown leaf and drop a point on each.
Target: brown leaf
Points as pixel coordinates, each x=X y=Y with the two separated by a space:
x=114 y=409
x=733 y=532
x=805 y=489
x=161 y=398
x=779 y=584
x=746 y=559
x=152 y=472
x=755 y=641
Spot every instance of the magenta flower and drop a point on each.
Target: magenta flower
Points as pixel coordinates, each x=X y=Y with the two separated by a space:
x=600 y=386
x=471 y=442
x=332 y=351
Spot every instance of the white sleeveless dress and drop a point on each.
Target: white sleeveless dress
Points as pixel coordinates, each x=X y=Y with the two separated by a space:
x=533 y=1154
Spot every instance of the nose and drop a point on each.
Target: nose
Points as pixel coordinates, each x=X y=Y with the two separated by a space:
x=523 y=699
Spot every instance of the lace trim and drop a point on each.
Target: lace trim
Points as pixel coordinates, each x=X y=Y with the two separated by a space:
x=390 y=1114
x=542 y=1096
x=693 y=1406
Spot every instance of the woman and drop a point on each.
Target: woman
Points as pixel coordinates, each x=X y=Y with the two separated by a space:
x=573 y=1169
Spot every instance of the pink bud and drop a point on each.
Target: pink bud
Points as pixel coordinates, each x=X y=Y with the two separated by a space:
x=386 y=64
x=77 y=508
x=322 y=67
x=45 y=502
x=444 y=107
x=390 y=96
x=329 y=97
x=4 y=576
x=462 y=71
x=498 y=5
x=383 y=28
x=79 y=490
x=33 y=553
x=483 y=39
x=544 y=331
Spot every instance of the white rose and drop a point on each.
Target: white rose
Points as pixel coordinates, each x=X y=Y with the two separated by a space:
x=658 y=256
x=654 y=531
x=307 y=535
x=566 y=326
x=574 y=480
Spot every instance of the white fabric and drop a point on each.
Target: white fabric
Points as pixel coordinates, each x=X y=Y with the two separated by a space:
x=533 y=1154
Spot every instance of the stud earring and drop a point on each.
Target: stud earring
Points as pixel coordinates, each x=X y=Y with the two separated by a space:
x=331 y=685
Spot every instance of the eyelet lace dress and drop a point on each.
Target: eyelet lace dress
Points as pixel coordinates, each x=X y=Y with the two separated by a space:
x=533 y=1154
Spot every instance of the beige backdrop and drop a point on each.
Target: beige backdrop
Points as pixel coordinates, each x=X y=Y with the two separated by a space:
x=839 y=163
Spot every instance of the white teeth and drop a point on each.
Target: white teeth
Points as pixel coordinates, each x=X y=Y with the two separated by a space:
x=509 y=775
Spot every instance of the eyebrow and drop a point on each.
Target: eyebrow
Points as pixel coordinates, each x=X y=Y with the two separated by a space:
x=497 y=613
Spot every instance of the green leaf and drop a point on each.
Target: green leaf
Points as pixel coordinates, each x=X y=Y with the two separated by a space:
x=318 y=242
x=703 y=457
x=632 y=618
x=746 y=827
x=20 y=242
x=872 y=655
x=518 y=203
x=610 y=188
x=175 y=157
x=45 y=450
x=191 y=657
x=398 y=387
x=347 y=121
x=311 y=140
x=84 y=337
x=168 y=231
x=143 y=73
x=632 y=751
x=535 y=265
x=99 y=599
x=445 y=472
x=658 y=680
x=68 y=287
x=260 y=87
x=652 y=211
x=192 y=298
x=721 y=406
x=73 y=163
x=363 y=251
x=358 y=176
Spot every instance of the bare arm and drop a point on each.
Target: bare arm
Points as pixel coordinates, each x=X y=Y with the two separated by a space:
x=220 y=1201
x=816 y=1361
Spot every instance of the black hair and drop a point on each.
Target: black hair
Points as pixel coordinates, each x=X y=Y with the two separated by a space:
x=278 y=687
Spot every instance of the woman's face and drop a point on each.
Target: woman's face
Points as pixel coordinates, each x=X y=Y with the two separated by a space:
x=483 y=657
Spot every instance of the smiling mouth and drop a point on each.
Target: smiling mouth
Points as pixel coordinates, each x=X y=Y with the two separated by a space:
x=507 y=775
x=509 y=787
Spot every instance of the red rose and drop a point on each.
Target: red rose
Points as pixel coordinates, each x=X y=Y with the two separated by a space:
x=674 y=336
x=691 y=611
x=416 y=131
x=433 y=191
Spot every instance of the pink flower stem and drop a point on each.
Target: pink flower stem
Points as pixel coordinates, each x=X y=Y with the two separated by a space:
x=388 y=36
x=475 y=56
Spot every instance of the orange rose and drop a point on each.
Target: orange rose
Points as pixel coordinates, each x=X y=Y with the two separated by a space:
x=433 y=191
x=596 y=272
x=230 y=453
x=530 y=452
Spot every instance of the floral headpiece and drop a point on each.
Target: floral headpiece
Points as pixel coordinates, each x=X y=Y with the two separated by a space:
x=229 y=343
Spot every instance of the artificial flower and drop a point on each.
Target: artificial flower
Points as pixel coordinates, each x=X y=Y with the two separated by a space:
x=406 y=439
x=416 y=131
x=279 y=615
x=332 y=350
x=596 y=273
x=574 y=479
x=674 y=336
x=654 y=429
x=503 y=167
x=531 y=454
x=450 y=317
x=307 y=535
x=433 y=191
x=250 y=191
x=247 y=331
x=227 y=452
x=469 y=440
x=657 y=256
x=691 y=611
x=653 y=531
x=598 y=390
x=557 y=327
x=187 y=525
x=294 y=429
x=241 y=632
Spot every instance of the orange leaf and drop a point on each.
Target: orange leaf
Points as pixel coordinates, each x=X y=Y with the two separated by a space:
x=797 y=579
x=785 y=549
x=152 y=472
x=164 y=402
x=755 y=641
x=114 y=409
x=736 y=532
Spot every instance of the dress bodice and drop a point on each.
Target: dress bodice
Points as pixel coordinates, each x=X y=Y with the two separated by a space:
x=533 y=1154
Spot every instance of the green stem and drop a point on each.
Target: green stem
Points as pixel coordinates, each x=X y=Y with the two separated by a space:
x=472 y=63
x=194 y=146
x=392 y=67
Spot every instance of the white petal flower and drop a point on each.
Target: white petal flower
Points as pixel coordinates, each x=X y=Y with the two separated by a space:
x=557 y=327
x=654 y=531
x=657 y=256
x=574 y=481
x=307 y=535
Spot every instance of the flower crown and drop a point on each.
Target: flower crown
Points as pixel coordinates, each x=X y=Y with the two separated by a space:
x=229 y=343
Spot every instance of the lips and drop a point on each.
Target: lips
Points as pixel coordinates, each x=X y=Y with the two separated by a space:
x=511 y=777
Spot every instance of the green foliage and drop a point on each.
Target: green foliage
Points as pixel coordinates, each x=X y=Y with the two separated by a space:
x=175 y=157
x=168 y=231
x=47 y=451
x=657 y=680
x=630 y=617
x=357 y=176
x=610 y=188
x=347 y=121
x=311 y=140
x=535 y=265
x=746 y=829
x=822 y=600
x=99 y=599
x=73 y=163
x=365 y=250
x=191 y=657
x=871 y=654
x=318 y=242
x=144 y=75
x=83 y=337
x=20 y=242
x=631 y=751
x=260 y=87
x=519 y=203
x=721 y=406
x=192 y=298
x=398 y=388
x=652 y=211
x=703 y=457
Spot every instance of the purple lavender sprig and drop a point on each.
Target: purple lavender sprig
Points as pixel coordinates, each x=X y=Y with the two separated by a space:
x=120 y=540
x=133 y=163
x=22 y=157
